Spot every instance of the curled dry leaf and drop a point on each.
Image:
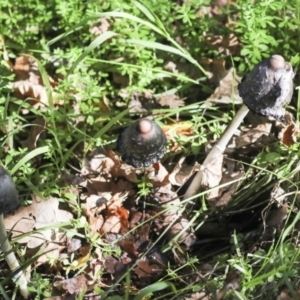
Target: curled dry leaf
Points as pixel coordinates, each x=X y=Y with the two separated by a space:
x=116 y=221
x=36 y=93
x=200 y=295
x=211 y=176
x=29 y=84
x=25 y=68
x=182 y=172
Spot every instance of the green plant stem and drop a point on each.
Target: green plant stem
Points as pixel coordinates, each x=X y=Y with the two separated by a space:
x=12 y=261
x=217 y=150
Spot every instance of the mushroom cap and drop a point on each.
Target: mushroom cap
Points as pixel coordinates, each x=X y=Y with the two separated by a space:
x=9 y=198
x=143 y=143
x=268 y=87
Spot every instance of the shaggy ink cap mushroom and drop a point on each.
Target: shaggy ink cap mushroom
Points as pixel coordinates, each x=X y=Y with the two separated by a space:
x=268 y=87
x=9 y=199
x=143 y=143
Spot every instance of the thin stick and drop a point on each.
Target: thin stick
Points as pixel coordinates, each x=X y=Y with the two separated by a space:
x=12 y=261
x=217 y=150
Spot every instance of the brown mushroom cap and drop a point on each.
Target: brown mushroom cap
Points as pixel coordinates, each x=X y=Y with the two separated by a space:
x=268 y=87
x=143 y=143
x=9 y=199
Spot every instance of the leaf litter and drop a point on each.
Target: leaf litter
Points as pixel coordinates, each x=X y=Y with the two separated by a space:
x=118 y=215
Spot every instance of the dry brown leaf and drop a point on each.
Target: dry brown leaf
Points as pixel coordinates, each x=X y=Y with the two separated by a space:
x=232 y=172
x=276 y=217
x=290 y=134
x=259 y=134
x=100 y=27
x=157 y=174
x=29 y=84
x=182 y=172
x=232 y=281
x=215 y=69
x=97 y=163
x=223 y=44
x=146 y=271
x=286 y=295
x=36 y=216
x=200 y=296
x=73 y=285
x=116 y=221
x=173 y=216
x=85 y=253
x=187 y=236
x=211 y=176
x=37 y=128
x=170 y=100
x=36 y=93
x=26 y=68
x=226 y=92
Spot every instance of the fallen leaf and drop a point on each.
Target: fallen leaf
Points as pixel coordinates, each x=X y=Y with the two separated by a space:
x=147 y=271
x=290 y=134
x=36 y=93
x=85 y=252
x=211 y=176
x=100 y=27
x=226 y=92
x=73 y=285
x=232 y=171
x=286 y=295
x=36 y=130
x=259 y=135
x=223 y=44
x=182 y=172
x=36 y=216
x=170 y=100
x=232 y=281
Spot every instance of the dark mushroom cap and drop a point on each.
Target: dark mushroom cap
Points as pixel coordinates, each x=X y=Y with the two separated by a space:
x=143 y=143
x=9 y=199
x=268 y=87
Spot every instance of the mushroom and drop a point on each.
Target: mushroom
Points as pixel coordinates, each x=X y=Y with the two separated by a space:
x=268 y=87
x=265 y=90
x=142 y=144
x=9 y=202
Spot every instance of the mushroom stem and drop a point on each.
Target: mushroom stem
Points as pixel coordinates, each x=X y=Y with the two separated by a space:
x=217 y=150
x=12 y=261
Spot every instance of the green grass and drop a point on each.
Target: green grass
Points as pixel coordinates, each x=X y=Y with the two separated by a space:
x=87 y=109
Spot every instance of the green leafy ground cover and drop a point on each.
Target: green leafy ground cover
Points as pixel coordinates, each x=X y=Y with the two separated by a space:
x=99 y=60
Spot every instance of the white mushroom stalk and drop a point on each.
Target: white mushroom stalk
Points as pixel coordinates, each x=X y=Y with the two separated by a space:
x=265 y=91
x=9 y=202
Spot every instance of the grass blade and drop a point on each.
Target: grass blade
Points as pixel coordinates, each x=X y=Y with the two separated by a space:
x=95 y=43
x=29 y=156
